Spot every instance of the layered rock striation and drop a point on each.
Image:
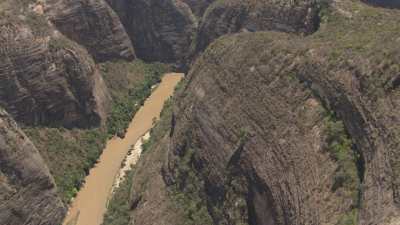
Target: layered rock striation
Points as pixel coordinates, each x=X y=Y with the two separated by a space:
x=159 y=30
x=27 y=190
x=92 y=24
x=273 y=128
x=232 y=16
x=48 y=79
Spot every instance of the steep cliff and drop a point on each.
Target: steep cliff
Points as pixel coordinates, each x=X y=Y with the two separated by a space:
x=92 y=24
x=159 y=30
x=231 y=16
x=44 y=77
x=272 y=128
x=27 y=190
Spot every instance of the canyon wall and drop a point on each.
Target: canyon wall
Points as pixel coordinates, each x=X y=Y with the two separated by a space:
x=274 y=128
x=92 y=24
x=27 y=190
x=159 y=30
x=46 y=78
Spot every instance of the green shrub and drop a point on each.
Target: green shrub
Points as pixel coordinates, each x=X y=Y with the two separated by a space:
x=130 y=84
x=186 y=193
x=346 y=177
x=69 y=154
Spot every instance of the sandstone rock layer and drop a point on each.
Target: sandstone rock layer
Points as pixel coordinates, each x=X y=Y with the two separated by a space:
x=275 y=128
x=92 y=24
x=159 y=30
x=27 y=190
x=48 y=79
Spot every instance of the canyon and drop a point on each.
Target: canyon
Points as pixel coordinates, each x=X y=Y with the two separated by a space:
x=287 y=114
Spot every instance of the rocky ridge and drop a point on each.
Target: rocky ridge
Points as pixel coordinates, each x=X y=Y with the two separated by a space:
x=274 y=128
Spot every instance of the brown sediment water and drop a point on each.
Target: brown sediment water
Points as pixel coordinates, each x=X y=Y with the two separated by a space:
x=89 y=206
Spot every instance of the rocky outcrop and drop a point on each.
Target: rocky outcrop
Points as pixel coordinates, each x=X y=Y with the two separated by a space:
x=198 y=6
x=47 y=79
x=272 y=128
x=92 y=24
x=27 y=190
x=231 y=16
x=159 y=30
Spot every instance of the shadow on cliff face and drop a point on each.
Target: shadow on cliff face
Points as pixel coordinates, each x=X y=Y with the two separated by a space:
x=159 y=30
x=260 y=205
x=384 y=3
x=234 y=16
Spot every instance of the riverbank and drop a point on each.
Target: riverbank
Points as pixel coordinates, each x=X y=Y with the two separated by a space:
x=90 y=204
x=71 y=153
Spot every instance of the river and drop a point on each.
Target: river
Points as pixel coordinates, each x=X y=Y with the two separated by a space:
x=89 y=206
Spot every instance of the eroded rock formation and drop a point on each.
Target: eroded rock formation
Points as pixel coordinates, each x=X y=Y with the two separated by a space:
x=160 y=30
x=231 y=16
x=48 y=79
x=274 y=128
x=93 y=24
x=27 y=190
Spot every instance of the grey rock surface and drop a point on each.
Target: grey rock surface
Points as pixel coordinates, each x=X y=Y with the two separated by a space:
x=27 y=190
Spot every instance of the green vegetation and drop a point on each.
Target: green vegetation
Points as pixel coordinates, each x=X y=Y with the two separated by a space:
x=69 y=154
x=58 y=43
x=187 y=193
x=340 y=147
x=21 y=10
x=118 y=207
x=349 y=218
x=130 y=84
x=38 y=24
x=347 y=177
x=160 y=128
x=187 y=200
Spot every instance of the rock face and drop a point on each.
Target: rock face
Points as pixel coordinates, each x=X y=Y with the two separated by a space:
x=198 y=6
x=47 y=79
x=160 y=30
x=272 y=128
x=261 y=159
x=27 y=190
x=92 y=24
x=231 y=16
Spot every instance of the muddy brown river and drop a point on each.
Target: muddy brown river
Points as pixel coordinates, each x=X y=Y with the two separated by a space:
x=89 y=205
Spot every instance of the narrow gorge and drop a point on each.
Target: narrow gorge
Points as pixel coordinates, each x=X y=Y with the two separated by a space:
x=287 y=113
